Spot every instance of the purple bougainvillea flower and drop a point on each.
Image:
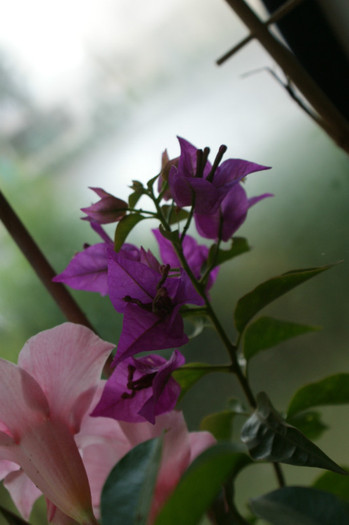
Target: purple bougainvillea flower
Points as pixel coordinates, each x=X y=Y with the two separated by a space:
x=230 y=215
x=88 y=269
x=150 y=299
x=108 y=209
x=196 y=182
x=141 y=389
x=195 y=254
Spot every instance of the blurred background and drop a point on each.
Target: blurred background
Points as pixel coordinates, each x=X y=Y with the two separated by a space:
x=91 y=93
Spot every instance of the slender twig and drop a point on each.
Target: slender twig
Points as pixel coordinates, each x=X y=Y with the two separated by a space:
x=40 y=265
x=277 y=15
x=330 y=119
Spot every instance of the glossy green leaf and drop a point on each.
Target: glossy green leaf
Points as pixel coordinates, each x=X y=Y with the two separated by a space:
x=333 y=483
x=174 y=214
x=268 y=437
x=190 y=373
x=239 y=245
x=11 y=518
x=220 y=424
x=172 y=236
x=309 y=423
x=333 y=390
x=267 y=332
x=300 y=506
x=200 y=484
x=138 y=191
x=127 y=493
x=124 y=227
x=265 y=293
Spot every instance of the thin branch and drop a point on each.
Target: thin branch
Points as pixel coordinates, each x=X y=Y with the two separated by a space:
x=330 y=119
x=290 y=90
x=275 y=17
x=40 y=265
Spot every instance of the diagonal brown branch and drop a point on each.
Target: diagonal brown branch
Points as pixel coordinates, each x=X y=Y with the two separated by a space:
x=40 y=265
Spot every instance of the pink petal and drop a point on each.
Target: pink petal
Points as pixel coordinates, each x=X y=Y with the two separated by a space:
x=57 y=517
x=67 y=362
x=22 y=401
x=23 y=492
x=199 y=441
x=49 y=456
x=6 y=467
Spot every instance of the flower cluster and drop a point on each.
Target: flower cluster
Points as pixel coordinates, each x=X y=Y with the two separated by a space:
x=151 y=294
x=63 y=428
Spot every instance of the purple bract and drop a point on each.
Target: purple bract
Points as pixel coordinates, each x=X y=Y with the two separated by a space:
x=141 y=389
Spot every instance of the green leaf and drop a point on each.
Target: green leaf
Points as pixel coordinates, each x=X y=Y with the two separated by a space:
x=309 y=423
x=150 y=182
x=333 y=483
x=172 y=236
x=127 y=493
x=266 y=332
x=174 y=214
x=268 y=437
x=220 y=424
x=239 y=245
x=200 y=484
x=300 y=506
x=333 y=390
x=188 y=374
x=138 y=191
x=124 y=227
x=11 y=518
x=270 y=290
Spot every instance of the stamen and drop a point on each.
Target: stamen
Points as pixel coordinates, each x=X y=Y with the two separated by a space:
x=138 y=302
x=199 y=155
x=219 y=156
x=164 y=269
x=138 y=384
x=201 y=159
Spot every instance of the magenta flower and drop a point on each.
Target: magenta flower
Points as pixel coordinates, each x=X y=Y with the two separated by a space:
x=195 y=254
x=141 y=389
x=150 y=299
x=108 y=209
x=88 y=269
x=229 y=216
x=196 y=182
x=43 y=400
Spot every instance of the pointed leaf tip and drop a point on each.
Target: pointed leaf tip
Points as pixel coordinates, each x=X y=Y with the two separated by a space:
x=267 y=332
x=267 y=292
x=333 y=390
x=268 y=437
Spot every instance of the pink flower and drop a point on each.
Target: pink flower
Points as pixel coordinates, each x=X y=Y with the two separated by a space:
x=50 y=444
x=43 y=400
x=104 y=441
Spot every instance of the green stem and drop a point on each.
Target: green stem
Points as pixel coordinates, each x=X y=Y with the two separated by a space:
x=230 y=347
